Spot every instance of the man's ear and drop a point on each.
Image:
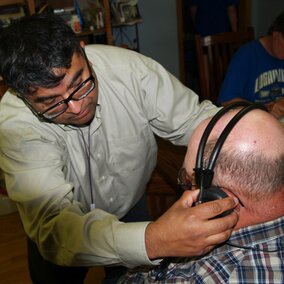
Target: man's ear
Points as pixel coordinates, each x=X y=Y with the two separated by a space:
x=82 y=43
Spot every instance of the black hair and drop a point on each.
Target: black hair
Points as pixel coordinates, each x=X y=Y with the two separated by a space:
x=31 y=48
x=277 y=25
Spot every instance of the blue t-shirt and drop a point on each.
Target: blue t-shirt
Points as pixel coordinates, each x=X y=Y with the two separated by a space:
x=254 y=75
x=212 y=16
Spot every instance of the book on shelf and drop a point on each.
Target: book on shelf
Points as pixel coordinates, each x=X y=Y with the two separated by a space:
x=9 y=14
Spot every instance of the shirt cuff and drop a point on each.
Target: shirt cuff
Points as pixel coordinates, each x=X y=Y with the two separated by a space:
x=130 y=244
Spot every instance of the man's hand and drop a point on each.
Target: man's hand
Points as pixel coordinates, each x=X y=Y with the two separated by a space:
x=276 y=108
x=190 y=231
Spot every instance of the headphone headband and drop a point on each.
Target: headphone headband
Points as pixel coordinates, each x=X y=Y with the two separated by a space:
x=204 y=176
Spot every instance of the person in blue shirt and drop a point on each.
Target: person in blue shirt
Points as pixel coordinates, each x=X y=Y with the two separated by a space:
x=256 y=72
x=212 y=17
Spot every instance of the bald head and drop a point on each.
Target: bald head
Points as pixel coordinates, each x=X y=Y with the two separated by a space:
x=251 y=162
x=256 y=131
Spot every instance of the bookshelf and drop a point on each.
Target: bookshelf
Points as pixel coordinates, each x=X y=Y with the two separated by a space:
x=88 y=34
x=110 y=23
x=28 y=4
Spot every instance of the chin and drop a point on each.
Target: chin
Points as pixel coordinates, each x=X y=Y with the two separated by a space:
x=78 y=120
x=86 y=120
x=83 y=121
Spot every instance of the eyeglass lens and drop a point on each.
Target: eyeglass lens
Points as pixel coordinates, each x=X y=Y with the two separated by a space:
x=183 y=181
x=79 y=94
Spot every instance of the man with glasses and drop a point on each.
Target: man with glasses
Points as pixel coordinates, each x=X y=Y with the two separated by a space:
x=60 y=104
x=78 y=149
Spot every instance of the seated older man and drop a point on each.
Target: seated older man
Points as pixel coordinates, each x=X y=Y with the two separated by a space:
x=250 y=166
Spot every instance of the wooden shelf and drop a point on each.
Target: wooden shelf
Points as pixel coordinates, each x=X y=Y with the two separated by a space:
x=107 y=30
x=130 y=23
x=12 y=2
x=30 y=4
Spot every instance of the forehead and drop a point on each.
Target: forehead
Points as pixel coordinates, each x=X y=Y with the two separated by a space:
x=66 y=77
x=194 y=141
x=77 y=61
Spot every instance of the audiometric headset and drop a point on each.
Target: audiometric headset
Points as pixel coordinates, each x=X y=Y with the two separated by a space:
x=204 y=175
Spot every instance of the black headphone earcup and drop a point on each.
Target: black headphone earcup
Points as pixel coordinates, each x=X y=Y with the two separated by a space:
x=213 y=193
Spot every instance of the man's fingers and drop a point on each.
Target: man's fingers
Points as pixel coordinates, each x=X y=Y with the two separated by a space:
x=220 y=229
x=209 y=210
x=189 y=197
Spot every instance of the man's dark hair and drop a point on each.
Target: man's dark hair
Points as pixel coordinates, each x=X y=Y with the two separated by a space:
x=31 y=48
x=277 y=25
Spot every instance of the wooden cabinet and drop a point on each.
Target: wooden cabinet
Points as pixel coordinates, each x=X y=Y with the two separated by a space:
x=108 y=26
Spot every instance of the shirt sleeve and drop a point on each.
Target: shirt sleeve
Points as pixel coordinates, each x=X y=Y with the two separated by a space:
x=65 y=232
x=173 y=110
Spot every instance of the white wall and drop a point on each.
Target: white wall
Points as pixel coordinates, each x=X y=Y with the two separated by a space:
x=158 y=32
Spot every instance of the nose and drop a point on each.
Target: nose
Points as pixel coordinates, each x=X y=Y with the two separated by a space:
x=74 y=107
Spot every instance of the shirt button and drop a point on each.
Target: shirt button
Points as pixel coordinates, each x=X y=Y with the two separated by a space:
x=111 y=200
x=103 y=177
x=98 y=155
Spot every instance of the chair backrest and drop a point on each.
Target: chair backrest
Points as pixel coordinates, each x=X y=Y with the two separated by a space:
x=213 y=56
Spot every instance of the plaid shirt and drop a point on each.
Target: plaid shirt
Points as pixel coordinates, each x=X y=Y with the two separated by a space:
x=252 y=255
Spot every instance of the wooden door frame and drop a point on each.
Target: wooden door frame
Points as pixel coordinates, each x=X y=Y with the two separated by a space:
x=244 y=23
x=180 y=32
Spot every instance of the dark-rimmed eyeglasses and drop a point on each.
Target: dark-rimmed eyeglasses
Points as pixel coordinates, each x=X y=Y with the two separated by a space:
x=82 y=91
x=183 y=181
x=59 y=107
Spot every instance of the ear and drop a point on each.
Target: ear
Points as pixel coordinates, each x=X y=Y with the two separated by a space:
x=82 y=43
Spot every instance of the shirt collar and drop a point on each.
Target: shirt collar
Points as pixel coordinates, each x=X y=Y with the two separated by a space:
x=253 y=236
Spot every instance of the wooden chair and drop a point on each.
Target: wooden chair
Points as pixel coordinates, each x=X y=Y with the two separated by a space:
x=213 y=56
x=161 y=191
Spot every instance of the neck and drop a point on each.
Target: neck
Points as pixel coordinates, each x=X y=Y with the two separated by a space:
x=266 y=42
x=255 y=212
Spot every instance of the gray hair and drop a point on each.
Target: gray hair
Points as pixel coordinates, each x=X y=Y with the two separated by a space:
x=253 y=175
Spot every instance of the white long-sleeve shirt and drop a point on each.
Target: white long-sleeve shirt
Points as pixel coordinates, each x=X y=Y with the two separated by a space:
x=53 y=170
